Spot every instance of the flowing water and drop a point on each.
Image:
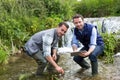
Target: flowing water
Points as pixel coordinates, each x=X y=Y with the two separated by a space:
x=22 y=67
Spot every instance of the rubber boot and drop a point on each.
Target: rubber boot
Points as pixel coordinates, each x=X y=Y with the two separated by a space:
x=40 y=69
x=84 y=64
x=94 y=68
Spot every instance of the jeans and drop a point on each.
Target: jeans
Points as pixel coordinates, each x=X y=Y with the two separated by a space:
x=93 y=56
x=39 y=58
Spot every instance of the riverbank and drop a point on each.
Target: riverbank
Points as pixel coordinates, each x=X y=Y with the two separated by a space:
x=23 y=66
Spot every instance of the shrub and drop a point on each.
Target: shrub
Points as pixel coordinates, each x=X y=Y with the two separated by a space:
x=3 y=53
x=110 y=44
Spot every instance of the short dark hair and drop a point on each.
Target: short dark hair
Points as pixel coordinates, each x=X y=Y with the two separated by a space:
x=78 y=16
x=63 y=23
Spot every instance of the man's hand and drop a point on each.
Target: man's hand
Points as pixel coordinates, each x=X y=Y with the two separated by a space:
x=84 y=54
x=60 y=70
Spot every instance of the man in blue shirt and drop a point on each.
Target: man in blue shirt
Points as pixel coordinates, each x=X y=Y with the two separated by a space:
x=42 y=47
x=88 y=35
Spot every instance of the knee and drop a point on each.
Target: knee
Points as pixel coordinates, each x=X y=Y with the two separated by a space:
x=77 y=59
x=74 y=58
x=44 y=61
x=93 y=57
x=39 y=62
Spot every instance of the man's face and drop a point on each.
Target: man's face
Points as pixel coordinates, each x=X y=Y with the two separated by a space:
x=79 y=23
x=61 y=30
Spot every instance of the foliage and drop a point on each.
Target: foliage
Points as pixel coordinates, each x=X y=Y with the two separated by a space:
x=117 y=47
x=110 y=44
x=3 y=54
x=52 y=21
x=22 y=18
x=19 y=8
x=19 y=19
x=56 y=7
x=97 y=8
x=116 y=10
x=11 y=29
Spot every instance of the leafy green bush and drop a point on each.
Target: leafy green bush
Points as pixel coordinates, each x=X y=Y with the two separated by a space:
x=52 y=21
x=11 y=30
x=110 y=44
x=3 y=53
x=97 y=8
x=20 y=19
x=3 y=56
x=117 y=48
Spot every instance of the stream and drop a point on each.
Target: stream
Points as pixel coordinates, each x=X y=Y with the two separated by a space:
x=21 y=67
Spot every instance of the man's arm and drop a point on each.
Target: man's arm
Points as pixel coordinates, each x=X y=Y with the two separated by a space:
x=93 y=43
x=75 y=43
x=47 y=41
x=54 y=55
x=58 y=68
x=93 y=40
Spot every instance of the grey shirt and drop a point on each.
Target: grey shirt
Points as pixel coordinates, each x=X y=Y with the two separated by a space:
x=43 y=41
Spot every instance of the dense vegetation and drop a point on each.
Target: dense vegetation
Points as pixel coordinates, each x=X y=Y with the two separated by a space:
x=19 y=19
x=98 y=8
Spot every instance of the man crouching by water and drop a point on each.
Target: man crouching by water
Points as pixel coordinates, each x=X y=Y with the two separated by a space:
x=88 y=35
x=42 y=47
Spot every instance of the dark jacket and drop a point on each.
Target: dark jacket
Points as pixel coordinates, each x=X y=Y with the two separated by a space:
x=84 y=37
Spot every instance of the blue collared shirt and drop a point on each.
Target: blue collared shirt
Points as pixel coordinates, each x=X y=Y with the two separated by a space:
x=93 y=38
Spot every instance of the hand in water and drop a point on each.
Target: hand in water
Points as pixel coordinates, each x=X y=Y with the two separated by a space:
x=60 y=70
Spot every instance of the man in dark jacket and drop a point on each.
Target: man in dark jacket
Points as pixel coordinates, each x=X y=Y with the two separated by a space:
x=88 y=35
